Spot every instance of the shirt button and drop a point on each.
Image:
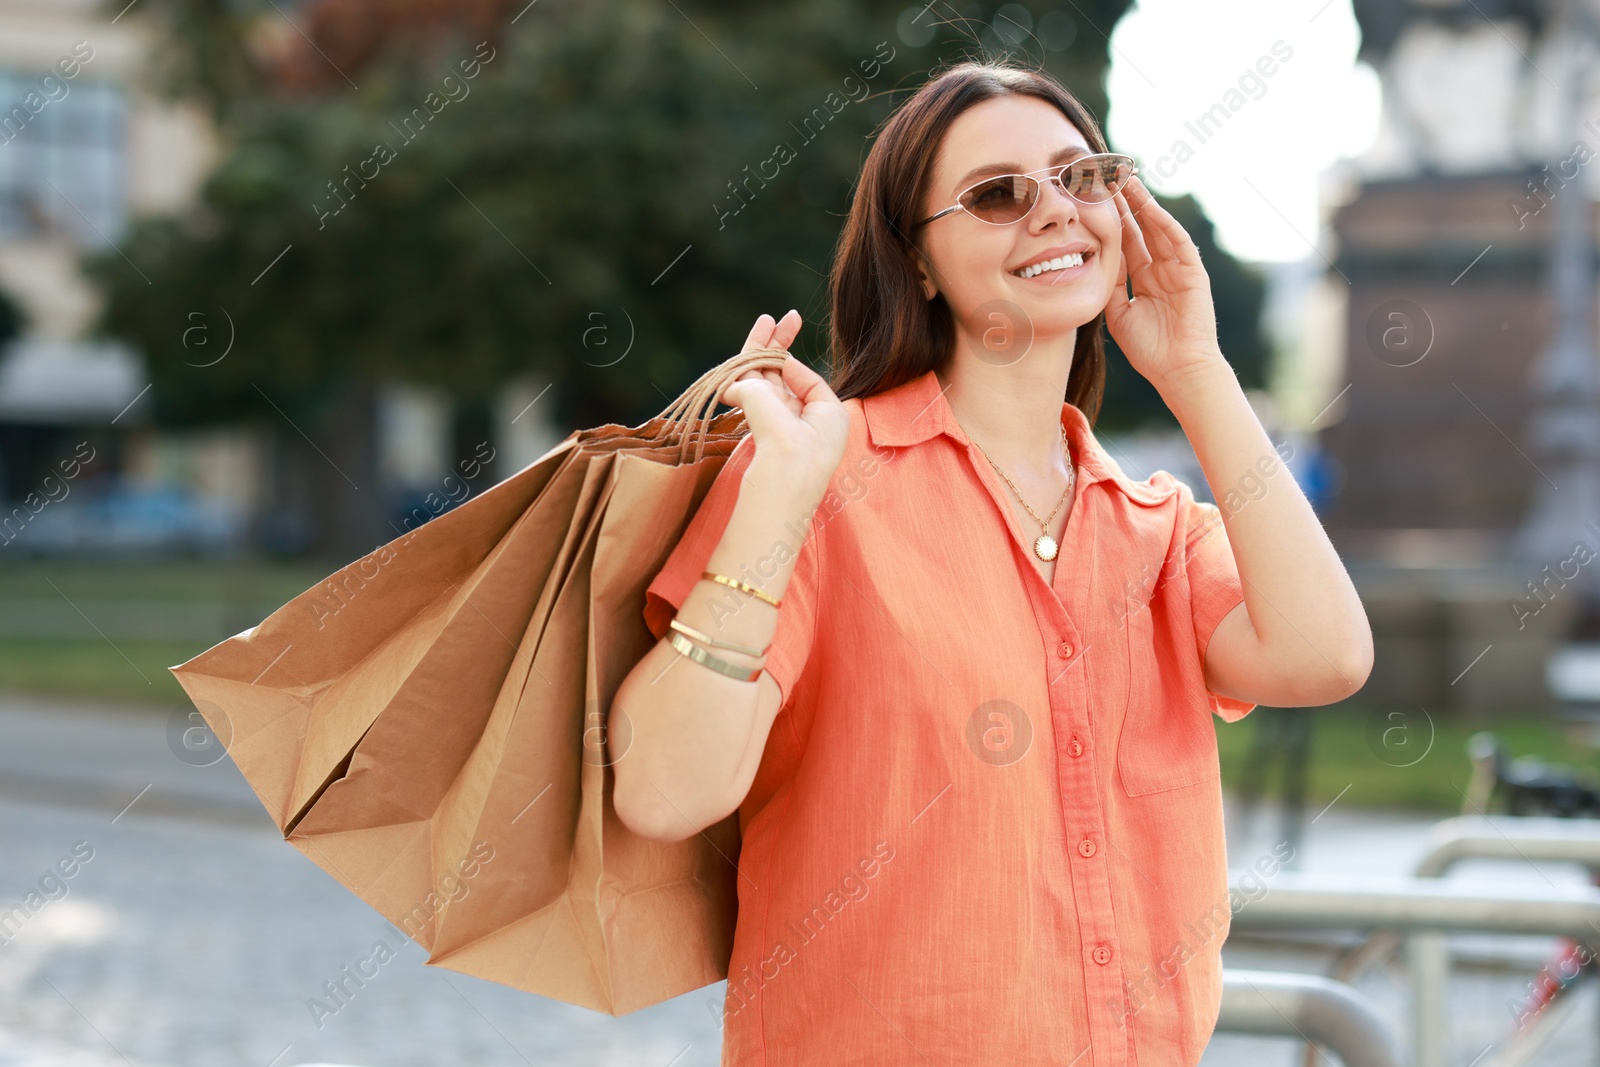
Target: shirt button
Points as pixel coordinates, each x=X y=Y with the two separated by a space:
x=1086 y=847
x=1065 y=650
x=1075 y=748
x=1102 y=955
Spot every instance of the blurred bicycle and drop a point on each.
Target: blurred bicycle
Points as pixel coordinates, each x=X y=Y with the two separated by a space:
x=1533 y=787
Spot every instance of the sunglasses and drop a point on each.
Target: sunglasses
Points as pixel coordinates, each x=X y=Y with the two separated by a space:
x=1008 y=198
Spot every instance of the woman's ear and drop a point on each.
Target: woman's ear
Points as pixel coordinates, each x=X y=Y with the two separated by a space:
x=920 y=265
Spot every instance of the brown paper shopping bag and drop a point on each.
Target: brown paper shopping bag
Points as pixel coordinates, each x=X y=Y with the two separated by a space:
x=428 y=725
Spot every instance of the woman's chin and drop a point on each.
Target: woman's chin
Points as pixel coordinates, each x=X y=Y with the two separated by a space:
x=1066 y=307
x=1053 y=318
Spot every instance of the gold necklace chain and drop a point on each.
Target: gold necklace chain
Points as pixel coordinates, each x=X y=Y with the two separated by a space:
x=1044 y=546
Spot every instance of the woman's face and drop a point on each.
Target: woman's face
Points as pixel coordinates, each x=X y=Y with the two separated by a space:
x=974 y=264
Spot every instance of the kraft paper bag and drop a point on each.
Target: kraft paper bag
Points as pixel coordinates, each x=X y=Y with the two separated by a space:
x=428 y=724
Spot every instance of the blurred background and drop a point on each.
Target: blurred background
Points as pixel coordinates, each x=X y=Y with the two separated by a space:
x=281 y=279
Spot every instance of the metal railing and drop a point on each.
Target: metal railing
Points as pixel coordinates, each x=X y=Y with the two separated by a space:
x=1509 y=837
x=1420 y=906
x=1451 y=841
x=1336 y=902
x=1327 y=1013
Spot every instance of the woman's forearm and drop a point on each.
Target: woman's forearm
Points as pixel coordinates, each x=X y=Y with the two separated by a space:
x=683 y=739
x=1307 y=619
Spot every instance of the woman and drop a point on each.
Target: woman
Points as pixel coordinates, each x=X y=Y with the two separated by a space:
x=958 y=670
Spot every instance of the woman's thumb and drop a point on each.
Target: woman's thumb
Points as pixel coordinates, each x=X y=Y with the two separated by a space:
x=761 y=405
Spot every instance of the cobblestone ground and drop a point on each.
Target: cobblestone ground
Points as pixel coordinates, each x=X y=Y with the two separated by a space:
x=184 y=943
x=193 y=936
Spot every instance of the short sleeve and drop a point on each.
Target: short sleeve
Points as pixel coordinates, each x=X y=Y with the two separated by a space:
x=795 y=632
x=1214 y=585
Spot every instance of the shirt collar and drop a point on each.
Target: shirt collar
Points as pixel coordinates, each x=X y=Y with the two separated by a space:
x=916 y=411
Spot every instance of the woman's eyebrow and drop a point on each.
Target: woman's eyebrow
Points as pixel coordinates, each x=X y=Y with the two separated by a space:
x=1060 y=155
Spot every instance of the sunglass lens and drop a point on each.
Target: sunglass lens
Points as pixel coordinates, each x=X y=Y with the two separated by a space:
x=1098 y=179
x=1003 y=199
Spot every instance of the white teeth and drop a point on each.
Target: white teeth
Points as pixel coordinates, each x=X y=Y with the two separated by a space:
x=1060 y=262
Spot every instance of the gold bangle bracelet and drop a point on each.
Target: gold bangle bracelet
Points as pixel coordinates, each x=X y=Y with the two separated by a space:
x=743 y=587
x=690 y=631
x=690 y=650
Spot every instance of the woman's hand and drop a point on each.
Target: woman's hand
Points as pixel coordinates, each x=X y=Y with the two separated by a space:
x=1169 y=328
x=799 y=425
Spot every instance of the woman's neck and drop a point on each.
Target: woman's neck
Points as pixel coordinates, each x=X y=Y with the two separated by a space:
x=1013 y=412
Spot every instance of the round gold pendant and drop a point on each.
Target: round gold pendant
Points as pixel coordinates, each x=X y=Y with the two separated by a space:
x=1045 y=547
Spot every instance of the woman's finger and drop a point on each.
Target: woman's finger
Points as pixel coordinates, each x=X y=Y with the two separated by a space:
x=766 y=408
x=753 y=372
x=806 y=384
x=757 y=337
x=783 y=335
x=1118 y=304
x=1160 y=223
x=1135 y=255
x=783 y=330
x=774 y=378
x=1160 y=220
x=1155 y=238
x=787 y=329
x=769 y=333
x=760 y=336
x=724 y=397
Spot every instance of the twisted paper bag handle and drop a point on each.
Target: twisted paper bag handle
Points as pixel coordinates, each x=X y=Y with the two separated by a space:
x=691 y=414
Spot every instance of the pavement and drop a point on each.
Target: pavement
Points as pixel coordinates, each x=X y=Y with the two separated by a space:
x=189 y=933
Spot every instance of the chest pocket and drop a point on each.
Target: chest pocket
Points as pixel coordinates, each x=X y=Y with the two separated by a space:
x=1167 y=739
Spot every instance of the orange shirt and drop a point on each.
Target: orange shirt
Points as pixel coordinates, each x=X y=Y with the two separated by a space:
x=987 y=824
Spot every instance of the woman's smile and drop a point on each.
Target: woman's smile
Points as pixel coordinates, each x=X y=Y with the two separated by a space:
x=1057 y=270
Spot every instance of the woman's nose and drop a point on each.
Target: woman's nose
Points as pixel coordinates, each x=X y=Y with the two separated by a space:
x=1053 y=187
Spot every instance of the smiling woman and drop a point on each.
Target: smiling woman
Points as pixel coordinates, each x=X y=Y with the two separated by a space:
x=1005 y=658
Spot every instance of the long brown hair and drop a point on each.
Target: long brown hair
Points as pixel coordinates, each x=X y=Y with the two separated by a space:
x=884 y=332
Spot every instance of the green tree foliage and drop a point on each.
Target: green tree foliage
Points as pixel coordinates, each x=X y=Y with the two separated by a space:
x=566 y=203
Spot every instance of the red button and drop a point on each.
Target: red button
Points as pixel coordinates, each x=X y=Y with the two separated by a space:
x=1074 y=748
x=1065 y=650
x=1102 y=955
x=1086 y=847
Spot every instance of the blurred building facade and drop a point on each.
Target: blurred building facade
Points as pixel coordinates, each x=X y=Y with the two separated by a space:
x=80 y=149
x=83 y=148
x=1445 y=243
